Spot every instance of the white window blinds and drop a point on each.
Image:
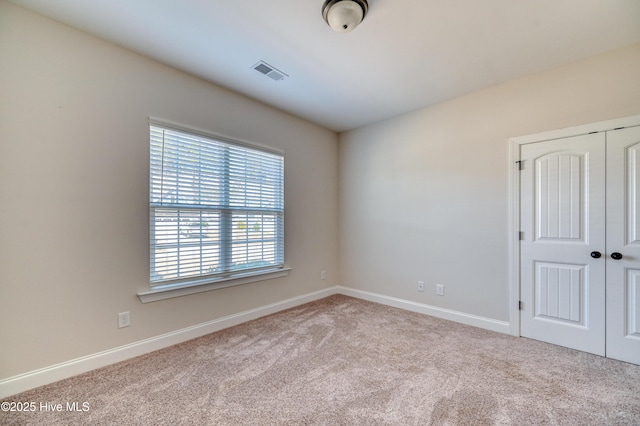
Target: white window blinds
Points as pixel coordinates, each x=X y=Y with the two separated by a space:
x=216 y=208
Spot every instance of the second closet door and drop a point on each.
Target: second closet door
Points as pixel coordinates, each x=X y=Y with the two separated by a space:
x=623 y=245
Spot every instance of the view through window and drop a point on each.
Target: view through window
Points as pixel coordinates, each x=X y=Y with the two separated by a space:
x=216 y=207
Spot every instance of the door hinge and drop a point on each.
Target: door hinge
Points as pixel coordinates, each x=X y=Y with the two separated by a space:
x=520 y=305
x=520 y=164
x=521 y=235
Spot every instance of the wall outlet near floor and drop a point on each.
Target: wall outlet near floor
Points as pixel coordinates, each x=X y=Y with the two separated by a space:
x=323 y=275
x=124 y=319
x=420 y=285
x=440 y=289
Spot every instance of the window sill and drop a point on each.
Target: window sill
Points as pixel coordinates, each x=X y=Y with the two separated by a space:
x=183 y=289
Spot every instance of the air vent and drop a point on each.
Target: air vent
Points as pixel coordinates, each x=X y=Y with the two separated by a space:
x=269 y=71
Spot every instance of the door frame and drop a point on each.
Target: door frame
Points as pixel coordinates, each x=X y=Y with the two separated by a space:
x=514 y=198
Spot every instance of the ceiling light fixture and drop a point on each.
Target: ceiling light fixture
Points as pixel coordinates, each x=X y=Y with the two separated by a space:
x=344 y=15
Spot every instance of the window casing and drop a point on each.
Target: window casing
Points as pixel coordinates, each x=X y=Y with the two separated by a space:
x=216 y=208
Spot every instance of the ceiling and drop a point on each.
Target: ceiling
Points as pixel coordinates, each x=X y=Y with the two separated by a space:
x=406 y=54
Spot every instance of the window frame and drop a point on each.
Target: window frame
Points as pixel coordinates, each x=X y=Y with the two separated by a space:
x=162 y=289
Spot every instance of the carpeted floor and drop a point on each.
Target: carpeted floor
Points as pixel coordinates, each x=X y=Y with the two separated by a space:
x=344 y=361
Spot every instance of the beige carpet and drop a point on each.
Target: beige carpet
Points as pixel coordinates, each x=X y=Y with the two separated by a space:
x=344 y=361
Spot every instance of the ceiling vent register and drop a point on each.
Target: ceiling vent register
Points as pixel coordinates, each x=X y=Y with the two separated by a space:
x=269 y=71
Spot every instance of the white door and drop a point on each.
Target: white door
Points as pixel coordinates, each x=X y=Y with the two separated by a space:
x=562 y=263
x=623 y=244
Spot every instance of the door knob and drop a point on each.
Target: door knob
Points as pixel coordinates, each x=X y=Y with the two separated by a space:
x=616 y=255
x=596 y=254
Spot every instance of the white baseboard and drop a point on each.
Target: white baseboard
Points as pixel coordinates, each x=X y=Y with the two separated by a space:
x=434 y=311
x=33 y=379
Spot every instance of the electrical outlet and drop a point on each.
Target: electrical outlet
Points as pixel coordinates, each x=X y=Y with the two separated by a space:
x=420 y=285
x=440 y=289
x=323 y=275
x=124 y=319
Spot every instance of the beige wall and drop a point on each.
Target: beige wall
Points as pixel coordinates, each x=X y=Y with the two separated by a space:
x=425 y=196
x=74 y=193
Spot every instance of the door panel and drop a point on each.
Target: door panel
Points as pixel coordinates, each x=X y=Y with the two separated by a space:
x=559 y=178
x=560 y=292
x=632 y=173
x=563 y=221
x=633 y=303
x=623 y=236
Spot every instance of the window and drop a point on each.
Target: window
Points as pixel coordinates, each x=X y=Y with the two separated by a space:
x=216 y=208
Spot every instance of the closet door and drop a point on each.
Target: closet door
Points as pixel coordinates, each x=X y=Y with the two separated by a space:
x=623 y=245
x=562 y=247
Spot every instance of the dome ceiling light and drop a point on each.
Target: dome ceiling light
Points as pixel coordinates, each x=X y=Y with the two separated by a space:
x=344 y=15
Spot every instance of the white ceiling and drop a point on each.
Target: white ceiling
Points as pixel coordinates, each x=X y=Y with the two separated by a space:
x=405 y=55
